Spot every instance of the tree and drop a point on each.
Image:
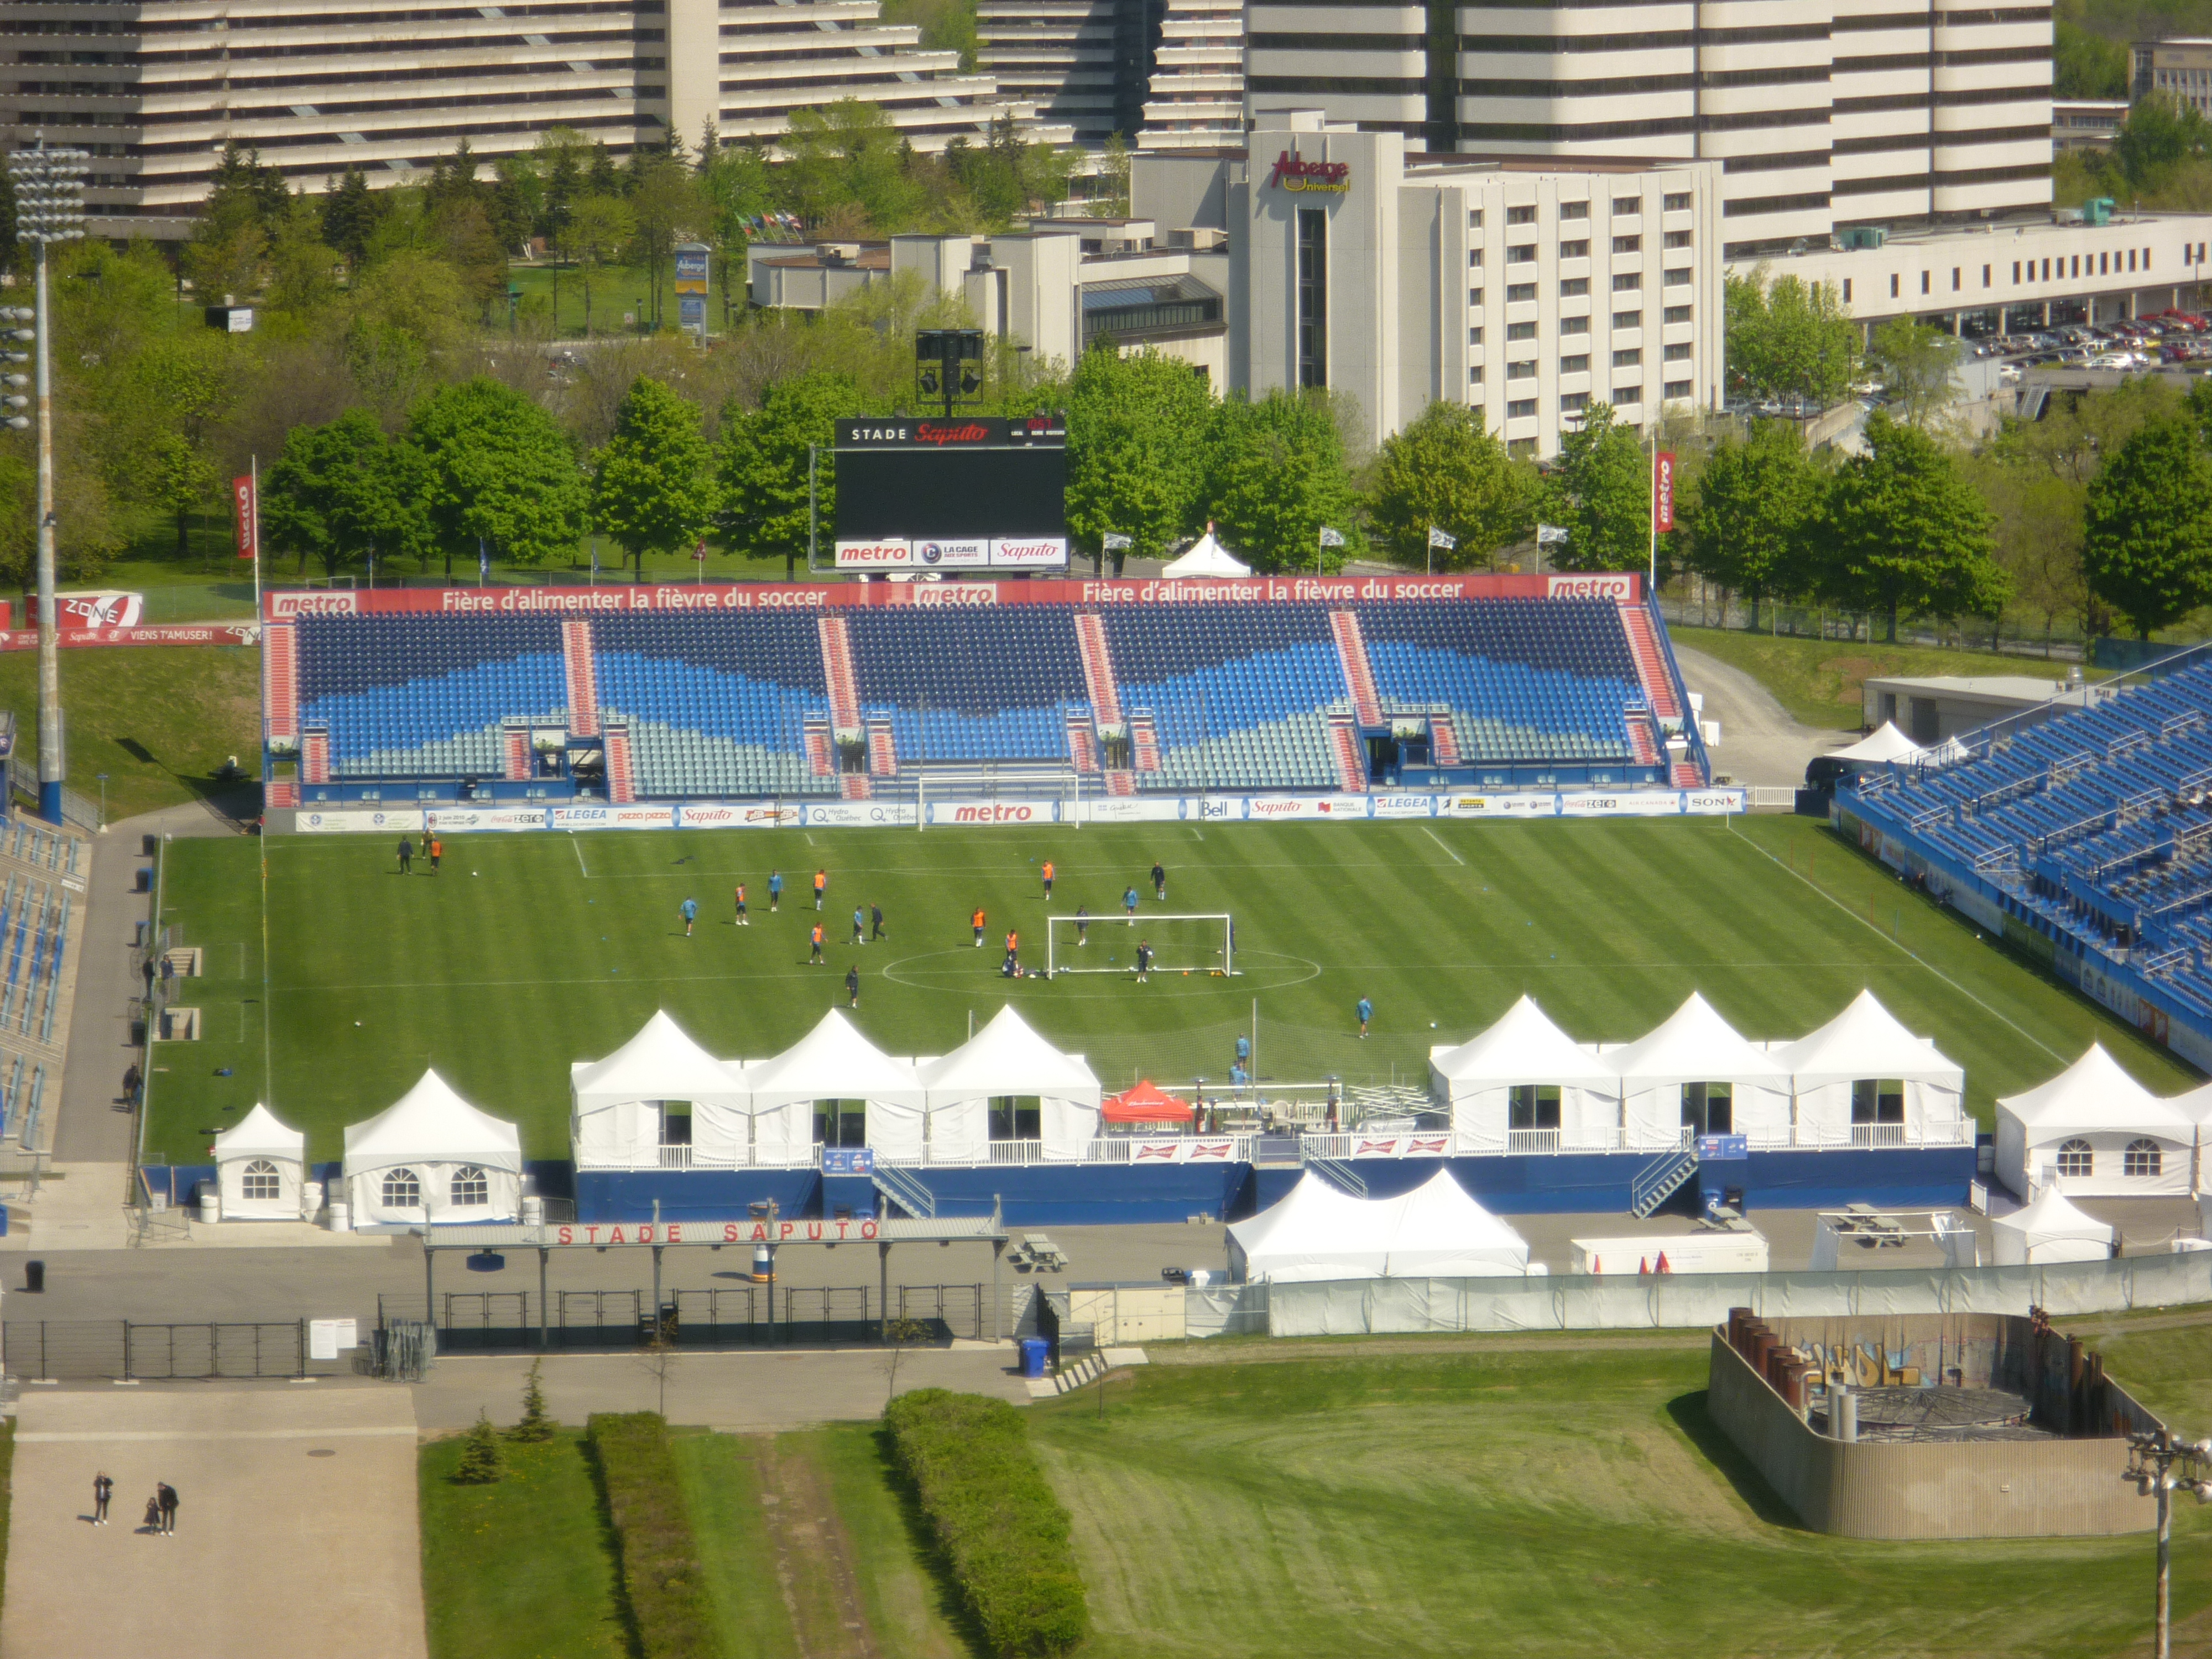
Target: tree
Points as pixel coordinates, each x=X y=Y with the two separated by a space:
x=351 y=213
x=482 y=1463
x=1114 y=177
x=500 y=473
x=342 y=492
x=848 y=154
x=1744 y=521
x=2160 y=136
x=598 y=228
x=2087 y=65
x=761 y=464
x=1786 y=340
x=1901 y=530
x=1599 y=491
x=2146 y=546
x=535 y=1427
x=1132 y=467
x=163 y=405
x=1275 y=477
x=653 y=484
x=1918 y=364
x=664 y=206
x=1446 y=470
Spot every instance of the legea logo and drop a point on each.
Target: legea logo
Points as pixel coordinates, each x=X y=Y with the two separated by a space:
x=317 y=604
x=993 y=814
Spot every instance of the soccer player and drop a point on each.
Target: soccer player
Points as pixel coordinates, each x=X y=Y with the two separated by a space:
x=1013 y=951
x=1159 y=882
x=820 y=886
x=976 y=922
x=690 y=911
x=860 y=924
x=1366 y=1012
x=1144 y=962
x=853 y=987
x=1129 y=904
x=1048 y=881
x=1082 y=926
x=1244 y=1050
x=436 y=849
x=774 y=890
x=816 y=937
x=743 y=920
x=876 y=913
x=406 y=856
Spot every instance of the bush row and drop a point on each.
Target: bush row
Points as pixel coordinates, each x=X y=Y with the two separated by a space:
x=1003 y=1531
x=660 y=1572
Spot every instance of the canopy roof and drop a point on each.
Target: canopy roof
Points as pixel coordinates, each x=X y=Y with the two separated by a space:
x=1007 y=1058
x=2096 y=1093
x=1436 y=1231
x=1205 y=558
x=1695 y=1045
x=833 y=1061
x=2052 y=1218
x=259 y=1135
x=1866 y=1040
x=2196 y=1105
x=431 y=1122
x=1522 y=1046
x=1145 y=1104
x=1884 y=743
x=661 y=1062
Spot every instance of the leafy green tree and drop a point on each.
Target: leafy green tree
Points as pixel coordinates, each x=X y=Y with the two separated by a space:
x=847 y=155
x=1599 y=491
x=1918 y=364
x=1275 y=477
x=1787 y=340
x=666 y=207
x=2147 y=547
x=1132 y=467
x=1901 y=530
x=652 y=484
x=500 y=473
x=598 y=228
x=163 y=407
x=2087 y=65
x=341 y=493
x=1446 y=470
x=1746 y=520
x=2160 y=136
x=760 y=462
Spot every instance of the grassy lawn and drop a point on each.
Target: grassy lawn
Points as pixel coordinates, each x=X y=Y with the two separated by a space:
x=524 y=1568
x=1820 y=681
x=1542 y=1503
x=531 y=950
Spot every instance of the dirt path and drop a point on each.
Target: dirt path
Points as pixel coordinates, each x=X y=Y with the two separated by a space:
x=813 y=1556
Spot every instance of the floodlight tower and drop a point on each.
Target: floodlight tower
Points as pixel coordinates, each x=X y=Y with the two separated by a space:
x=48 y=186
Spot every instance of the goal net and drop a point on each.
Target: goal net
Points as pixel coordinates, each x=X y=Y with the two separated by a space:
x=1108 y=944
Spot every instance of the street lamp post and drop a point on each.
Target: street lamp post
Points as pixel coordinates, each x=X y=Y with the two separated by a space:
x=2151 y=1458
x=49 y=187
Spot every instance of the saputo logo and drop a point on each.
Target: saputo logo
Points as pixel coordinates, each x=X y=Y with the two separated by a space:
x=709 y=815
x=935 y=432
x=1294 y=172
x=1276 y=809
x=993 y=814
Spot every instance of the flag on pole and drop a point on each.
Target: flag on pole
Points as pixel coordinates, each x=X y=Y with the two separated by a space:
x=1438 y=538
x=1548 y=533
x=1663 y=491
x=249 y=514
x=1114 y=542
x=484 y=561
x=1331 y=537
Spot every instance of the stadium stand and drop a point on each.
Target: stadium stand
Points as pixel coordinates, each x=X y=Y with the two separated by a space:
x=424 y=696
x=713 y=706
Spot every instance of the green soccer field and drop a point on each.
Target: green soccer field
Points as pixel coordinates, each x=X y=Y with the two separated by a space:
x=531 y=952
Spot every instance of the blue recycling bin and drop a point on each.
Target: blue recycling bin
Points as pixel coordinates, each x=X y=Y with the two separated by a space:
x=1034 y=1350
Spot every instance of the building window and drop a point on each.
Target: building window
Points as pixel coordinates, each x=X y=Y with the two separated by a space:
x=1892 y=285
x=1628 y=205
x=1679 y=353
x=1954 y=279
x=2142 y=1158
x=1313 y=297
x=1525 y=409
x=1847 y=290
x=1877 y=1100
x=1573 y=403
x=260 y=1184
x=1474 y=218
x=1574 y=324
x=1475 y=259
x=1574 y=250
x=1679 y=389
x=2016 y=270
x=1925 y=282
x=1628 y=282
x=1520 y=216
x=1474 y=337
x=1578 y=364
x=1631 y=358
x=1473 y=376
x=1678 y=202
x=1628 y=244
x=1521 y=449
x=1533 y=1106
x=1520 y=371
x=1627 y=319
x=1520 y=331
x=1623 y=396
x=1524 y=254
x=1709 y=1109
x=1520 y=293
x=471 y=1186
x=1675 y=314
x=2104 y=265
x=1573 y=287
x=1474 y=297
x=2077 y=1161
x=402 y=1190
x=1678 y=239
x=2146 y=259
x=1574 y=210
x=2046 y=269
x=1985 y=276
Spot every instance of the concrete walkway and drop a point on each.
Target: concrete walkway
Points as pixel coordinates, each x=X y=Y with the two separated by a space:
x=1761 y=742
x=295 y=1531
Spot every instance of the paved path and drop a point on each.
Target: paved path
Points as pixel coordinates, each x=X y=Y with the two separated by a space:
x=1761 y=742
x=295 y=1532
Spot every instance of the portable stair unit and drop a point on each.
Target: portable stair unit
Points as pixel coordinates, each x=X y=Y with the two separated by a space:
x=1082 y=743
x=883 y=747
x=1643 y=742
x=1099 y=670
x=514 y=751
x=622 y=774
x=315 y=757
x=1443 y=739
x=1143 y=741
x=821 y=756
x=279 y=644
x=1358 y=673
x=1650 y=664
x=583 y=680
x=1349 y=753
x=837 y=675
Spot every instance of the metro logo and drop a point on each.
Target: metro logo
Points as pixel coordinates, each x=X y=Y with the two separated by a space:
x=993 y=814
x=315 y=604
x=1617 y=584
x=873 y=555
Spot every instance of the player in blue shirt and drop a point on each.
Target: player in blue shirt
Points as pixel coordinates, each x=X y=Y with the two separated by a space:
x=1366 y=1012
x=774 y=890
x=690 y=909
x=1129 y=904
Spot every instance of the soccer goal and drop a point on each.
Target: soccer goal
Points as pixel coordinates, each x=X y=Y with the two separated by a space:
x=1108 y=944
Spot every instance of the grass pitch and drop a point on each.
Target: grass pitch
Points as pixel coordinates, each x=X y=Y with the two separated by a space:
x=530 y=951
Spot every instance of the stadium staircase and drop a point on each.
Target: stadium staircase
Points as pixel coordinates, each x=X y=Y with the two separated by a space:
x=1443 y=740
x=1143 y=741
x=883 y=747
x=1359 y=672
x=1350 y=754
x=621 y=773
x=855 y=786
x=1687 y=774
x=583 y=678
x=821 y=755
x=1650 y=663
x=903 y=1188
x=1660 y=1180
x=837 y=675
x=315 y=757
x=517 y=755
x=280 y=650
x=1082 y=743
x=1120 y=782
x=1339 y=1174
x=1098 y=669
x=1644 y=741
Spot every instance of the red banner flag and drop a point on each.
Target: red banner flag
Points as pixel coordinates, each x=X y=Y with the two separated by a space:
x=1663 y=491
x=249 y=515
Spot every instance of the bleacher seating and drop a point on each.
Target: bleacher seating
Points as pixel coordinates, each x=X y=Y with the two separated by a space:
x=715 y=706
x=424 y=696
x=990 y=684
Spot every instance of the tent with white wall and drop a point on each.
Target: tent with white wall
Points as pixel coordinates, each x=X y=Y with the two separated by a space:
x=433 y=1157
x=834 y=1062
x=1848 y=1060
x=1523 y=1049
x=1884 y=743
x=1206 y=556
x=259 y=1165
x=618 y=1115
x=1695 y=1045
x=2095 y=1131
x=2196 y=1106
x=2049 y=1230
x=1006 y=1060
x=1316 y=1232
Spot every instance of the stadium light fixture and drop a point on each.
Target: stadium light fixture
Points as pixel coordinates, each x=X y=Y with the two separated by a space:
x=49 y=188
x=2151 y=1458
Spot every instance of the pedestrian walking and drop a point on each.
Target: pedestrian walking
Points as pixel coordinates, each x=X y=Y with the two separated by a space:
x=1159 y=882
x=1082 y=926
x=876 y=913
x=1144 y=962
x=743 y=920
x=166 y=1496
x=853 y=987
x=130 y=1081
x=1366 y=1012
x=690 y=909
x=153 y=1514
x=774 y=890
x=1048 y=881
x=406 y=855
x=976 y=922
x=102 y=1489
x=859 y=925
x=436 y=849
x=820 y=886
x=816 y=937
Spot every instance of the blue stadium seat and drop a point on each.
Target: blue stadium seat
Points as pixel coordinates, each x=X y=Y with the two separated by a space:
x=425 y=696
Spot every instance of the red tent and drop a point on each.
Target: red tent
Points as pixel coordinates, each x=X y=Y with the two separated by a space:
x=1145 y=1104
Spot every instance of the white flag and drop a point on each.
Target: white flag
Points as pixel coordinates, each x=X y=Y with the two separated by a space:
x=1115 y=542
x=1549 y=532
x=1331 y=537
x=1438 y=538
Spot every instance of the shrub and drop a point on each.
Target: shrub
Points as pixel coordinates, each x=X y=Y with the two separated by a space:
x=535 y=1427
x=480 y=1464
x=1002 y=1530
x=660 y=1573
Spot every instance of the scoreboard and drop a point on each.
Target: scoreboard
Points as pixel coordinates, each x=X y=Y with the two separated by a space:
x=920 y=494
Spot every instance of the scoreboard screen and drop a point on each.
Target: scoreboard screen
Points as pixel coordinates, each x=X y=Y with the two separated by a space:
x=927 y=493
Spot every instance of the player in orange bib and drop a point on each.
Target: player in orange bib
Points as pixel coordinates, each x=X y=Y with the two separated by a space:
x=743 y=920
x=976 y=922
x=1048 y=881
x=817 y=957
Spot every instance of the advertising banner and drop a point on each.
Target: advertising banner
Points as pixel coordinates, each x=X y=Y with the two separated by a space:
x=1619 y=803
x=205 y=633
x=942 y=555
x=360 y=821
x=1125 y=809
x=1713 y=802
x=1404 y=806
x=1216 y=809
x=738 y=815
x=110 y=607
x=1281 y=808
x=454 y=820
x=856 y=815
x=964 y=813
x=1188 y=1150
x=1436 y=1143
x=1516 y=804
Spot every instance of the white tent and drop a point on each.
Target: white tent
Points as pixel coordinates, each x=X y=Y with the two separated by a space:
x=1866 y=1044
x=2196 y=1106
x=834 y=1062
x=2050 y=1229
x=1316 y=1232
x=1883 y=742
x=258 y=1166
x=433 y=1158
x=1205 y=558
x=2096 y=1132
x=617 y=1105
x=1696 y=1045
x=1523 y=1049
x=1006 y=1059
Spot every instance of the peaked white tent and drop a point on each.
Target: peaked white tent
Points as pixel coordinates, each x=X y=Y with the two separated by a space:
x=1866 y=1044
x=2196 y=1106
x=2095 y=1131
x=617 y=1116
x=1206 y=556
x=1007 y=1059
x=834 y=1062
x=259 y=1167
x=1317 y=1232
x=433 y=1157
x=1525 y=1050
x=1696 y=1045
x=1883 y=742
x=2050 y=1229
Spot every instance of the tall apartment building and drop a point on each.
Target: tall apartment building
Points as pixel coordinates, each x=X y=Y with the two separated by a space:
x=155 y=88
x=2181 y=68
x=1164 y=74
x=1822 y=114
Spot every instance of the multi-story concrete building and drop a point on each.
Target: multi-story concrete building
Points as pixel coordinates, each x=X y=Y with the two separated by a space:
x=2180 y=68
x=1164 y=74
x=1822 y=113
x=155 y=88
x=2085 y=122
